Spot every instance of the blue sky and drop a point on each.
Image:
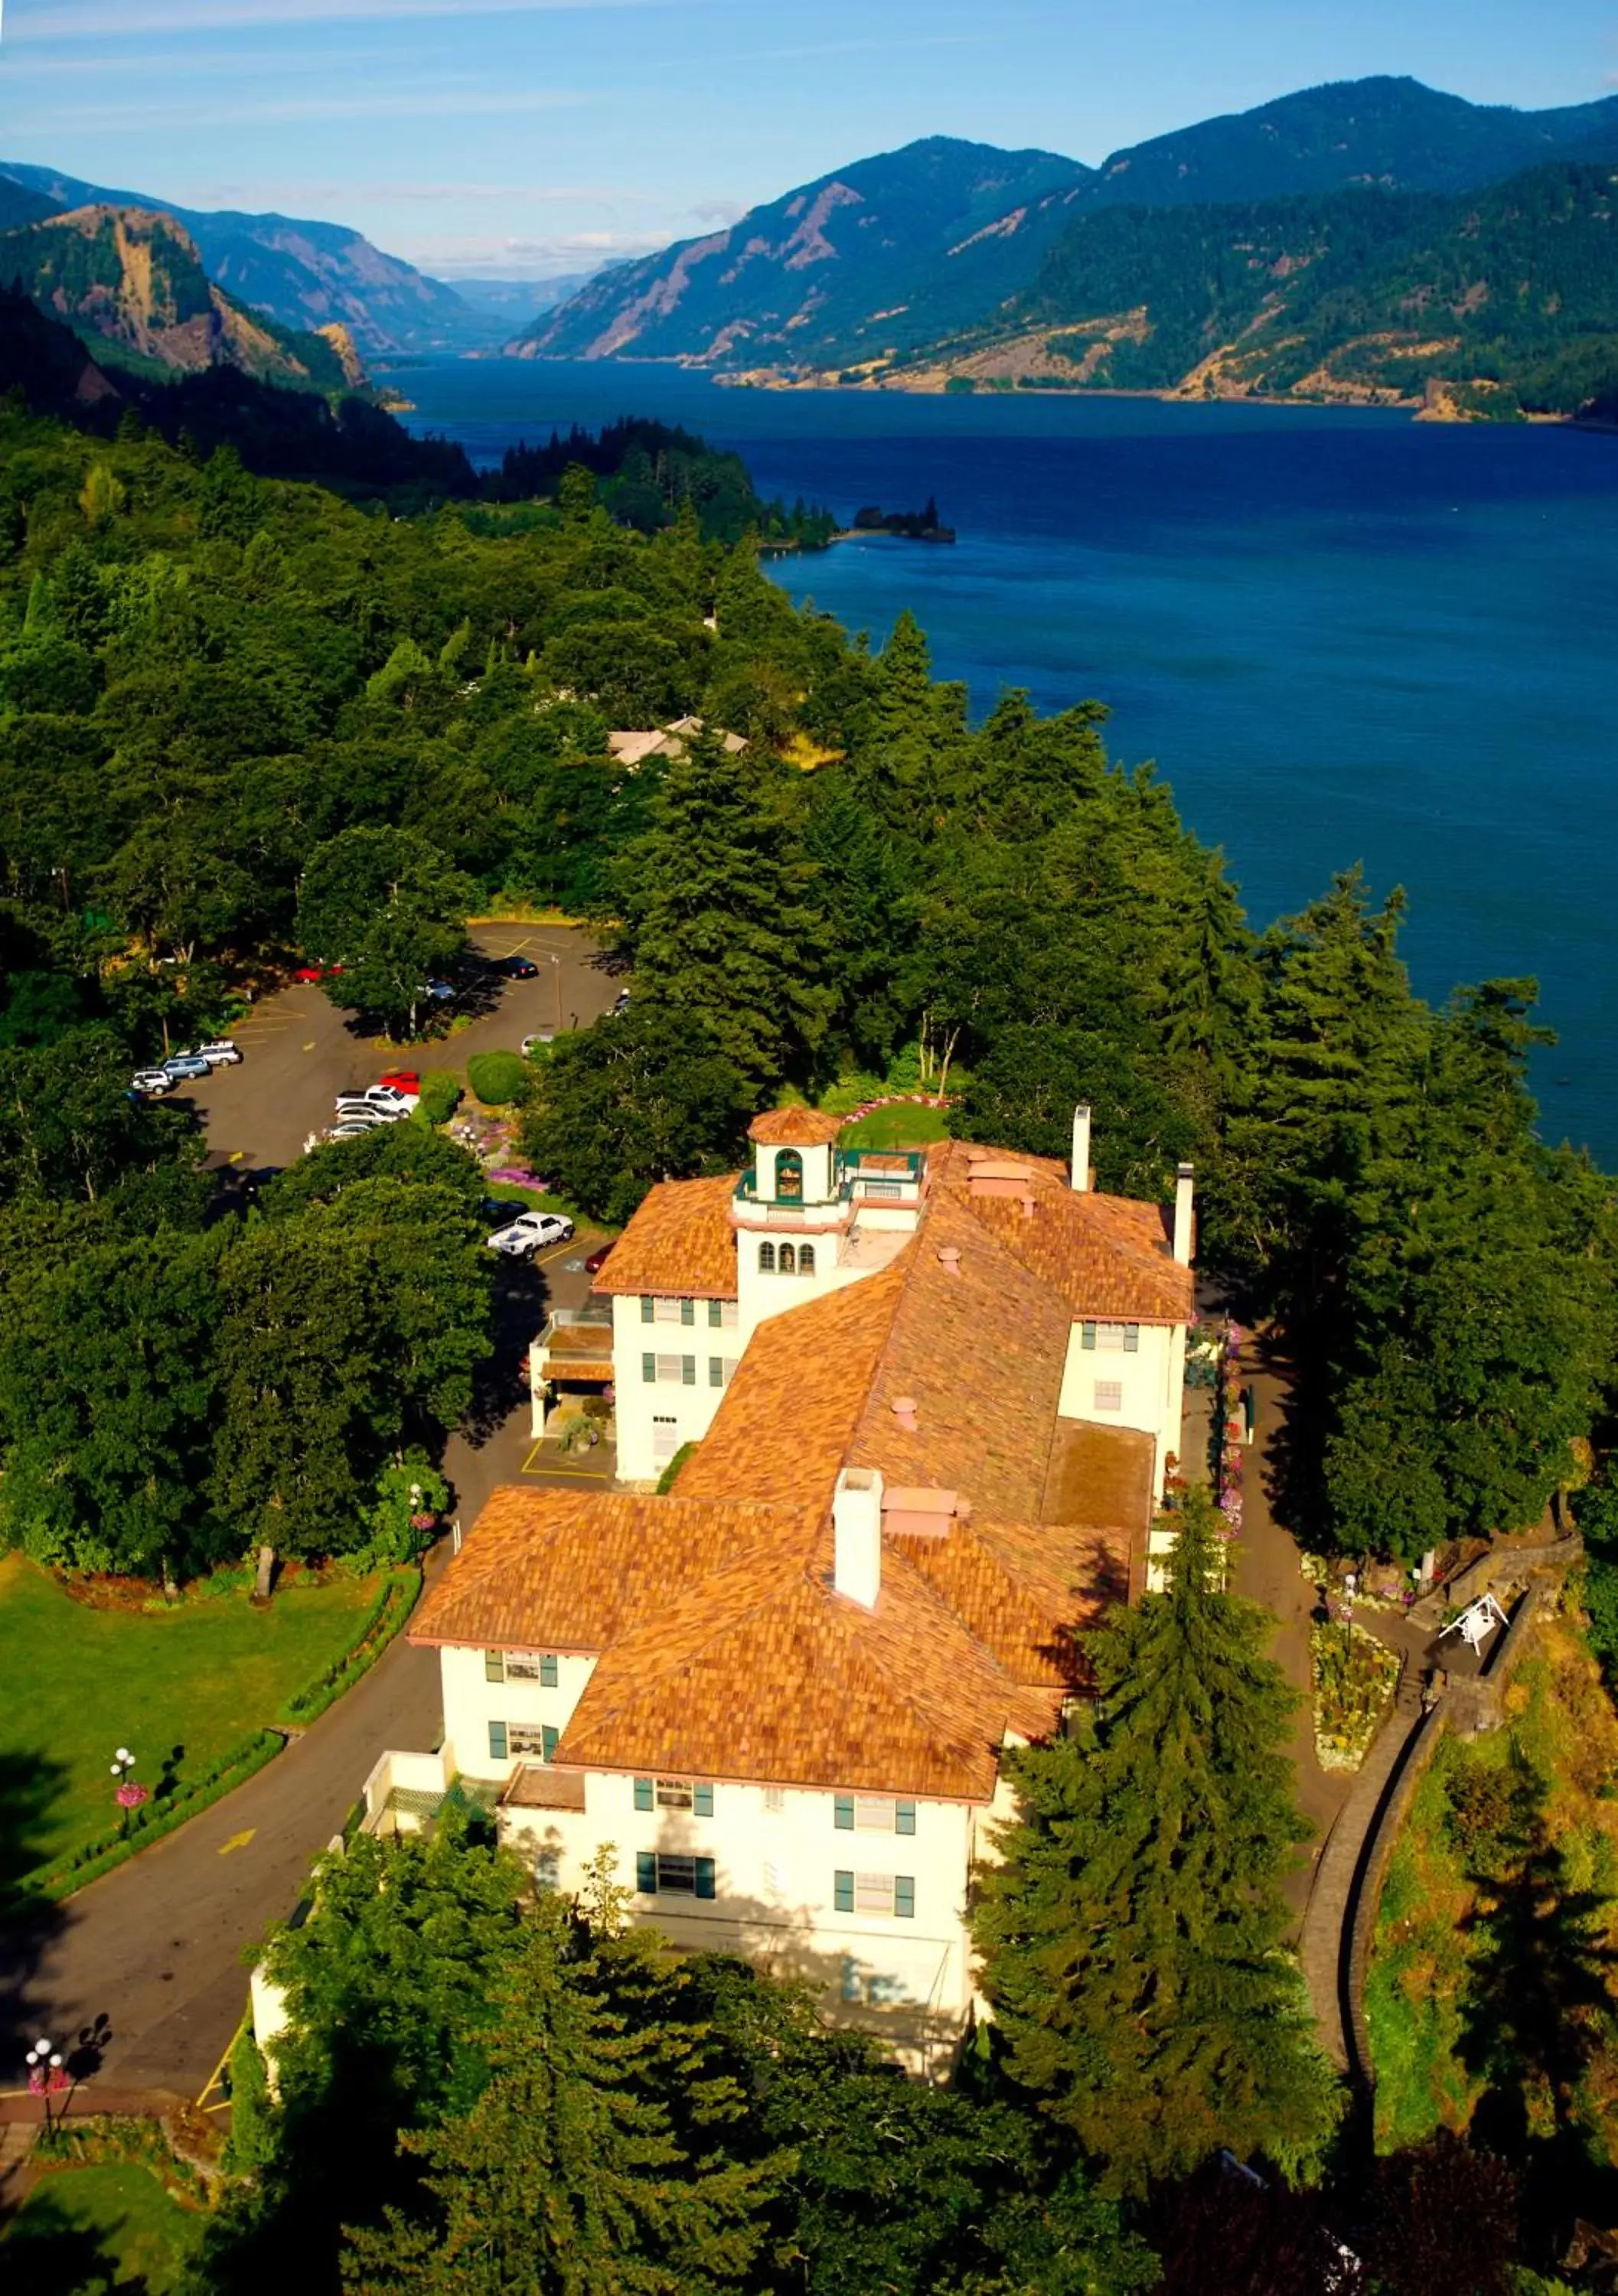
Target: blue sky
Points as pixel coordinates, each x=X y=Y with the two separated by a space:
x=520 y=138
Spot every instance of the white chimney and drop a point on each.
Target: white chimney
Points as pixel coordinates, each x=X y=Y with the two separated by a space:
x=857 y=1532
x=1081 y=1147
x=1184 y=1224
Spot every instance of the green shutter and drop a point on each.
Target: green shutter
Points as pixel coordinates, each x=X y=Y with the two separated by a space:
x=494 y=1666
x=716 y=1315
x=648 y=1307
x=702 y=1801
x=687 y=1371
x=716 y=1371
x=704 y=1877
x=648 y=1370
x=842 y=1813
x=1087 y=1337
x=547 y=1673
x=687 y=1311
x=904 y=1895
x=1131 y=1339
x=645 y=1872
x=904 y=1817
x=497 y=1741
x=642 y=1793
x=548 y=1743
x=843 y=1892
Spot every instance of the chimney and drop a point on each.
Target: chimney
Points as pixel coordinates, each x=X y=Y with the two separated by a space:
x=904 y=1412
x=1184 y=1224
x=856 y=1535
x=1081 y=1148
x=949 y=1259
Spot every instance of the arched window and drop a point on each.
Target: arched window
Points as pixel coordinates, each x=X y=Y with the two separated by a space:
x=789 y=1176
x=767 y=1259
x=806 y=1259
x=787 y=1260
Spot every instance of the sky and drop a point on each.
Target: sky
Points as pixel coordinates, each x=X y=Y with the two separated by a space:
x=528 y=138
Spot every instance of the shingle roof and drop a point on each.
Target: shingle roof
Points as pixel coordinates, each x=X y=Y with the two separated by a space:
x=555 y=1569
x=795 y=1127
x=681 y=1240
x=1023 y=1593
x=901 y=1698
x=1107 y=1256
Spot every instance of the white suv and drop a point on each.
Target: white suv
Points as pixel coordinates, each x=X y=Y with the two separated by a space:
x=222 y=1054
x=383 y=1100
x=530 y=1232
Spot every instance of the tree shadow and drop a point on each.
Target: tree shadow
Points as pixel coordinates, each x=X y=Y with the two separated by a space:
x=52 y=2255
x=30 y=1787
x=520 y=1303
x=1294 y=1480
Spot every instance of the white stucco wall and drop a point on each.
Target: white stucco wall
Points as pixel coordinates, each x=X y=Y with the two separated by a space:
x=1152 y=1379
x=472 y=1701
x=640 y=1404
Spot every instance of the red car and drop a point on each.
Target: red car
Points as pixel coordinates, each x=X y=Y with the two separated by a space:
x=402 y=1079
x=598 y=1260
x=315 y=971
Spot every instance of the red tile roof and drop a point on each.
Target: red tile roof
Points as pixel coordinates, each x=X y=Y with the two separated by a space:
x=1110 y=1258
x=681 y=1240
x=795 y=1127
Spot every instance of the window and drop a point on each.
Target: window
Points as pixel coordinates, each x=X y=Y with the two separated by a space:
x=786 y=1260
x=789 y=1176
x=497 y=1741
x=494 y=1666
x=767 y=1259
x=775 y=1800
x=659 y=1875
x=884 y=1192
x=1112 y=1338
x=721 y=1371
x=893 y=1894
x=669 y=1371
x=665 y=1439
x=548 y=1869
x=532 y=1738
x=529 y=1666
x=872 y=1814
x=1109 y=1395
x=806 y=1259
x=772 y=1878
x=674 y=1793
x=722 y=1315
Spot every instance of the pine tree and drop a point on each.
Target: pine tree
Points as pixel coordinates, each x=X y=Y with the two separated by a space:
x=1132 y=1936
x=565 y=2179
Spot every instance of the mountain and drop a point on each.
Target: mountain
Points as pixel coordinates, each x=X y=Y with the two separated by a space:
x=1495 y=301
x=506 y=303
x=47 y=363
x=302 y=275
x=133 y=279
x=875 y=256
x=1395 y=134
x=859 y=270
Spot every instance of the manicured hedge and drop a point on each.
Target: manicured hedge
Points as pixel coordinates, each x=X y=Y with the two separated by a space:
x=383 y=1619
x=495 y=1077
x=440 y=1096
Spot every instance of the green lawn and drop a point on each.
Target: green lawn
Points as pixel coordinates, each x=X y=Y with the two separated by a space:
x=179 y=1687
x=908 y=1124
x=85 y=2231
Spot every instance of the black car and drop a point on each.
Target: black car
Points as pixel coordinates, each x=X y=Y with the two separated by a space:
x=517 y=968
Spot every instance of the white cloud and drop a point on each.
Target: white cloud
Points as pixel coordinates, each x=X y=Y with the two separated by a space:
x=714 y=212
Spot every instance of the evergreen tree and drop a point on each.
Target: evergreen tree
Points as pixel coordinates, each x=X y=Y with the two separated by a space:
x=1132 y=1935
x=564 y=2178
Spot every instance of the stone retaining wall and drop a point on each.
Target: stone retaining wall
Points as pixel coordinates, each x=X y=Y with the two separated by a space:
x=1500 y=1566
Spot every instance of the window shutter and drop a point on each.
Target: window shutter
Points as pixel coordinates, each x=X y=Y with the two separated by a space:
x=904 y=1895
x=842 y=1813
x=716 y=1314
x=648 y=1370
x=547 y=1744
x=1131 y=1339
x=645 y=1872
x=704 y=1877
x=702 y=1801
x=1087 y=1337
x=843 y=1893
x=497 y=1741
x=716 y=1371
x=648 y=1307
x=687 y=1311
x=642 y=1793
x=904 y=1817
x=687 y=1371
x=494 y=1666
x=547 y=1673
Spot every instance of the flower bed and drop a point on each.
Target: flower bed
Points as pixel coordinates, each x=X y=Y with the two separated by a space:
x=1354 y=1677
x=1230 y=1432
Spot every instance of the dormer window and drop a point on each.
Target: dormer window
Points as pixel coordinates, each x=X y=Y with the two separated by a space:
x=789 y=1176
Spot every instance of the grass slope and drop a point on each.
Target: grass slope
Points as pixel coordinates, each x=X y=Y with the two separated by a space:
x=181 y=1688
x=83 y=2231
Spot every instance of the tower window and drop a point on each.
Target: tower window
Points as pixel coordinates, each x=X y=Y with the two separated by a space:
x=786 y=1260
x=789 y=1176
x=767 y=1259
x=806 y=1259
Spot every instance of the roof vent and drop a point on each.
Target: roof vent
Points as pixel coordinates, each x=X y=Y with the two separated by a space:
x=904 y=1411
x=949 y=1259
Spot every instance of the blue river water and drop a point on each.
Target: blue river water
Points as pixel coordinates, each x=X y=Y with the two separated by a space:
x=1340 y=635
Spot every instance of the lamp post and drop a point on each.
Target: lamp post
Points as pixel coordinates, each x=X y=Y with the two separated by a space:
x=128 y=1794
x=47 y=2075
x=556 y=978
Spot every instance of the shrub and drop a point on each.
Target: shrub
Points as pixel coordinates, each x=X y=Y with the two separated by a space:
x=495 y=1077
x=441 y=1095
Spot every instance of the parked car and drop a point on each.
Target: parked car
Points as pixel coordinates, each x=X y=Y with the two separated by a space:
x=220 y=1054
x=598 y=1260
x=529 y=1232
x=620 y=1003
x=315 y=971
x=185 y=1065
x=517 y=968
x=151 y=1082
x=367 y=1111
x=386 y=1098
x=404 y=1080
x=354 y=1128
x=531 y=1045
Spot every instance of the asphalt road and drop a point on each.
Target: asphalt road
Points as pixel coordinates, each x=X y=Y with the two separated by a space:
x=142 y=1971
